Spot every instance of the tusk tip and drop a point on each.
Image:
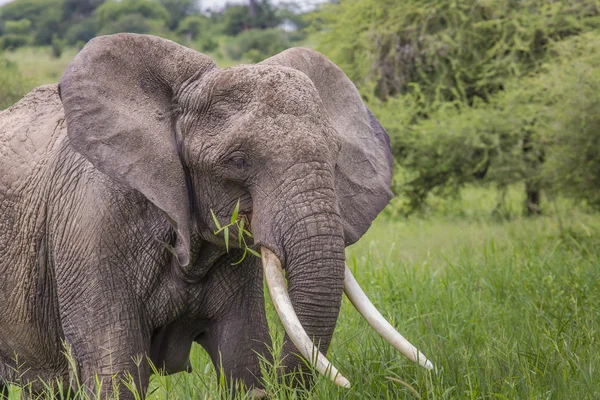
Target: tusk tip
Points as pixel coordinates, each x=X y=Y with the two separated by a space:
x=258 y=394
x=428 y=365
x=342 y=382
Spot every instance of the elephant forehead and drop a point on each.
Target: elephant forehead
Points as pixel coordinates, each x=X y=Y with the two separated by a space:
x=283 y=89
x=273 y=101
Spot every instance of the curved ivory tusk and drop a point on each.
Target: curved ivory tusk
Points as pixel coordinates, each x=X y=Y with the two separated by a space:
x=289 y=319
x=364 y=306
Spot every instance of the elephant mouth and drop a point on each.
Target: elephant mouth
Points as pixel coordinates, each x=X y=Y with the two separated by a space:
x=245 y=215
x=273 y=273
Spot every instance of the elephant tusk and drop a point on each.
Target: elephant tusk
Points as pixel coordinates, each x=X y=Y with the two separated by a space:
x=364 y=306
x=281 y=300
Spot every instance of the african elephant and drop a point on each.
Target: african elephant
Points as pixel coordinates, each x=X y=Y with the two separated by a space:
x=108 y=185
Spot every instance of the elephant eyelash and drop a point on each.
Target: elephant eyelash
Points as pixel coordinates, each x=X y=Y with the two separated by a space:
x=239 y=161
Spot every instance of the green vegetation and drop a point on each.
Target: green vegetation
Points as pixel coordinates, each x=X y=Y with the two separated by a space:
x=238 y=223
x=46 y=22
x=12 y=83
x=32 y=30
x=38 y=65
x=477 y=92
x=504 y=310
x=492 y=108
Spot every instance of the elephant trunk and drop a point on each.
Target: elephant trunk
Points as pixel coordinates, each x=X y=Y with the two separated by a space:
x=307 y=236
x=315 y=273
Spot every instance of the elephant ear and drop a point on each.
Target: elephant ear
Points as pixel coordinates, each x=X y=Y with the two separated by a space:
x=119 y=97
x=365 y=163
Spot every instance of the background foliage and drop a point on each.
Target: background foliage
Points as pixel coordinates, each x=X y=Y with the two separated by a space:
x=478 y=92
x=493 y=108
x=472 y=92
x=12 y=83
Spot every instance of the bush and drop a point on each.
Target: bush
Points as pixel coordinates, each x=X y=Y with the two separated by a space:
x=112 y=10
x=13 y=41
x=57 y=46
x=468 y=90
x=179 y=9
x=134 y=23
x=206 y=43
x=236 y=19
x=453 y=148
x=19 y=27
x=542 y=131
x=194 y=26
x=256 y=44
x=572 y=119
x=12 y=84
x=449 y=50
x=83 y=31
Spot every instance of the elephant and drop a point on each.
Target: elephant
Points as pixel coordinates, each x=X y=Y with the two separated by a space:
x=113 y=181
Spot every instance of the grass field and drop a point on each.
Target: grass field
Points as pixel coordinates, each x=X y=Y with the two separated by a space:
x=38 y=66
x=504 y=309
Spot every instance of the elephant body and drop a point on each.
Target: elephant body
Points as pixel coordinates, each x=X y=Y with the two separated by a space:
x=71 y=277
x=107 y=187
x=29 y=329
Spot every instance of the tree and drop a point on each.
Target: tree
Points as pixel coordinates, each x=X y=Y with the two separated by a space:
x=19 y=27
x=12 y=84
x=112 y=10
x=82 y=31
x=45 y=17
x=238 y=18
x=194 y=25
x=179 y=9
x=438 y=71
x=80 y=9
x=138 y=16
x=571 y=122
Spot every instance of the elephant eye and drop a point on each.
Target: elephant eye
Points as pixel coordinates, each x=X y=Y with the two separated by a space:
x=239 y=161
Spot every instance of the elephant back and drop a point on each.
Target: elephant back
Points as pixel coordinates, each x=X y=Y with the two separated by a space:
x=29 y=131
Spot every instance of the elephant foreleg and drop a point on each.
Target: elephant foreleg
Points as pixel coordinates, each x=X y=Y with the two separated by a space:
x=114 y=355
x=239 y=336
x=107 y=340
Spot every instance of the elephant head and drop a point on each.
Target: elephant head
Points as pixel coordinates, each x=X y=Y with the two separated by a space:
x=289 y=138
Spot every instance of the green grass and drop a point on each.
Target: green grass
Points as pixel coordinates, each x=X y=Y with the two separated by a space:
x=505 y=310
x=38 y=66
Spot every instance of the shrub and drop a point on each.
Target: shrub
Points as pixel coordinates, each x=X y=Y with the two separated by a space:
x=572 y=119
x=207 y=43
x=112 y=10
x=57 y=46
x=134 y=23
x=12 y=84
x=256 y=44
x=13 y=41
x=542 y=131
x=194 y=26
x=450 y=50
x=19 y=27
x=83 y=31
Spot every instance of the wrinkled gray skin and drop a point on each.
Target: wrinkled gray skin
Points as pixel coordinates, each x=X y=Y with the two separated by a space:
x=106 y=188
